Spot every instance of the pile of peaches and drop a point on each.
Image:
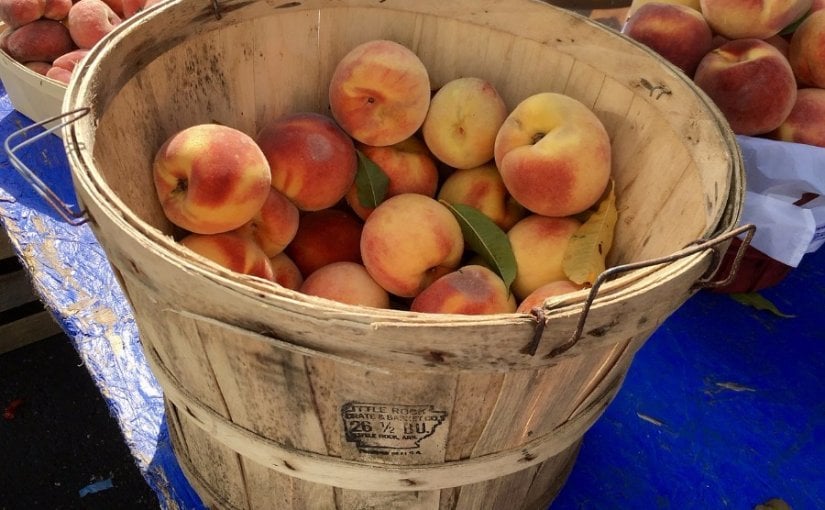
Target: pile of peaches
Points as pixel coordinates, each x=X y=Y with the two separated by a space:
x=402 y=197
x=762 y=63
x=50 y=37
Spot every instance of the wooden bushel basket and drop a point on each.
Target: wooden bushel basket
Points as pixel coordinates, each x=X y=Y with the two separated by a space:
x=280 y=400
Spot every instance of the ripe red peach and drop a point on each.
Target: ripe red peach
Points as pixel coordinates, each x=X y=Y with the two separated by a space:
x=470 y=290
x=805 y=122
x=89 y=21
x=806 y=52
x=16 y=13
x=313 y=161
x=324 y=237
x=538 y=244
x=346 y=282
x=554 y=155
x=232 y=251
x=483 y=189
x=461 y=124
x=39 y=67
x=540 y=295
x=39 y=41
x=409 y=241
x=63 y=66
x=408 y=165
x=636 y=4
x=380 y=92
x=751 y=82
x=761 y=19
x=56 y=9
x=676 y=32
x=274 y=226
x=210 y=178
x=285 y=273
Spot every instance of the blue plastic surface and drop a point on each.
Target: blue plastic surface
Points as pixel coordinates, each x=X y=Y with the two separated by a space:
x=723 y=407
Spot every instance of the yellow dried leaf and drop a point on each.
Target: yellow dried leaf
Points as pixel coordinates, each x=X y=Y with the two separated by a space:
x=584 y=258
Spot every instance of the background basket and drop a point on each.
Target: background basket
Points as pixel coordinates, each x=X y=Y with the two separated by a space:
x=275 y=398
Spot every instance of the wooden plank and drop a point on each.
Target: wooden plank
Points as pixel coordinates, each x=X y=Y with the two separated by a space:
x=27 y=330
x=17 y=290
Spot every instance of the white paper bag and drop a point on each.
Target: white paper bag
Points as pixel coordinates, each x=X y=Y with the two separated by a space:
x=778 y=174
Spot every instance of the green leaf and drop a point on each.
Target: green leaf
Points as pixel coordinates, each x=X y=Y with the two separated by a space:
x=584 y=257
x=758 y=301
x=487 y=239
x=371 y=182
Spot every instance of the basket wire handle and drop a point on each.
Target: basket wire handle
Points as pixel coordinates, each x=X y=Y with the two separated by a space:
x=43 y=189
x=607 y=274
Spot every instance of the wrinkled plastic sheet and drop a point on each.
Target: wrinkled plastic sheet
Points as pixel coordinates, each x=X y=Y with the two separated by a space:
x=72 y=275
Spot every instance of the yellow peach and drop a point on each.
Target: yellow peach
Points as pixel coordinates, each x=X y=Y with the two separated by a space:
x=483 y=189
x=232 y=251
x=346 y=282
x=470 y=290
x=409 y=241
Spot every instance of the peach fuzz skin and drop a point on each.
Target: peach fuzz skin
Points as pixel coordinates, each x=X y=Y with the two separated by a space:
x=285 y=273
x=461 y=124
x=539 y=243
x=636 y=4
x=409 y=167
x=89 y=21
x=655 y=24
x=274 y=226
x=804 y=124
x=759 y=19
x=346 y=282
x=751 y=82
x=324 y=237
x=806 y=52
x=313 y=161
x=42 y=40
x=554 y=155
x=483 y=189
x=16 y=13
x=409 y=241
x=210 y=178
x=379 y=92
x=232 y=251
x=537 y=298
x=470 y=290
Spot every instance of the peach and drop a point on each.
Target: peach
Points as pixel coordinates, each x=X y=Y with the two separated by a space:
x=636 y=4
x=806 y=52
x=482 y=188
x=780 y=43
x=537 y=298
x=63 y=66
x=117 y=7
x=285 y=273
x=324 y=237
x=817 y=5
x=59 y=74
x=210 y=178
x=538 y=244
x=89 y=21
x=461 y=124
x=39 y=41
x=751 y=82
x=346 y=282
x=16 y=13
x=553 y=154
x=470 y=290
x=232 y=251
x=676 y=32
x=56 y=9
x=804 y=124
x=39 y=67
x=380 y=92
x=761 y=19
x=313 y=161
x=274 y=226
x=408 y=165
x=409 y=241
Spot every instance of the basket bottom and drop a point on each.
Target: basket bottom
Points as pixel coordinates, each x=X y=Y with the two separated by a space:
x=231 y=482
